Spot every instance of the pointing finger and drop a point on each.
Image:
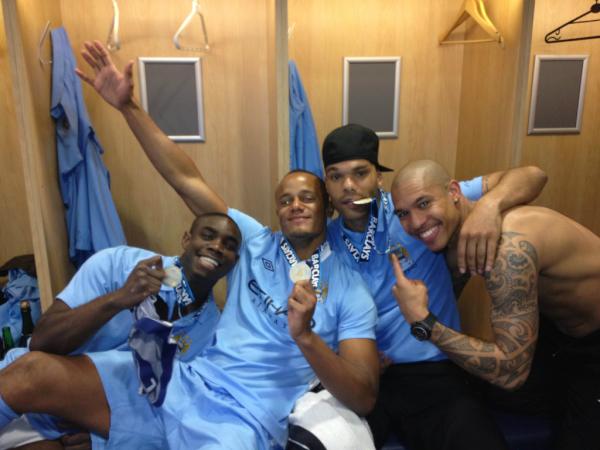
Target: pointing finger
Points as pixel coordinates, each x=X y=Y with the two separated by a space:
x=398 y=272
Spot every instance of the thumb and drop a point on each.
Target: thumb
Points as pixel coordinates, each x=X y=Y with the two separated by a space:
x=128 y=70
x=154 y=262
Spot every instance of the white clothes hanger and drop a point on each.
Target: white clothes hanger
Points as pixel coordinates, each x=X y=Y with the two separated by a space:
x=195 y=11
x=113 y=43
x=43 y=38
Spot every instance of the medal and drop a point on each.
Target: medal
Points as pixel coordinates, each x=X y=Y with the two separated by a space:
x=299 y=272
x=363 y=201
x=173 y=276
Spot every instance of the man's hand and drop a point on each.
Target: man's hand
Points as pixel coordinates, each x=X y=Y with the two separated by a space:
x=143 y=281
x=478 y=239
x=113 y=86
x=301 y=307
x=79 y=441
x=411 y=295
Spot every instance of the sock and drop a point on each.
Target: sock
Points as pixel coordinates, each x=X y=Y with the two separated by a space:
x=7 y=415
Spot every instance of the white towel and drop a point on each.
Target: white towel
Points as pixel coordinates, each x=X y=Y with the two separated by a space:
x=335 y=425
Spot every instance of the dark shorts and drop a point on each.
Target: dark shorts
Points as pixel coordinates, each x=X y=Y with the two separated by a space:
x=432 y=406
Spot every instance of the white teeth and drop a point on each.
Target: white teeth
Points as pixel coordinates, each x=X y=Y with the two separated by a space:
x=428 y=233
x=209 y=261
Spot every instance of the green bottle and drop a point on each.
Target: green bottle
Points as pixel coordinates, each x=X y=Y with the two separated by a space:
x=7 y=339
x=26 y=322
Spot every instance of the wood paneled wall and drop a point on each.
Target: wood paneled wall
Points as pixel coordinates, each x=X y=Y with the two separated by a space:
x=572 y=162
x=489 y=103
x=235 y=158
x=325 y=32
x=24 y=22
x=15 y=234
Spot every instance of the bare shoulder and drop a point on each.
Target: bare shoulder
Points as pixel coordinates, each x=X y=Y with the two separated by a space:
x=514 y=275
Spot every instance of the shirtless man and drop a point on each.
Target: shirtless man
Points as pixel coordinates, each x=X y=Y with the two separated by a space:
x=547 y=265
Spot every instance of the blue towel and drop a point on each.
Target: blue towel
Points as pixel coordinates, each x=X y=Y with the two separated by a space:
x=304 y=145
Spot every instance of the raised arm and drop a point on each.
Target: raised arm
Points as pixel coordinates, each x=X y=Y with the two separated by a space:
x=63 y=329
x=175 y=166
x=352 y=376
x=478 y=239
x=512 y=285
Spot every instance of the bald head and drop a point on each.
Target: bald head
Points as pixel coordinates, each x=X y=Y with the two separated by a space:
x=426 y=200
x=426 y=172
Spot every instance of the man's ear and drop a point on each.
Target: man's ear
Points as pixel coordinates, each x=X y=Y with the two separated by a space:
x=454 y=190
x=185 y=240
x=379 y=180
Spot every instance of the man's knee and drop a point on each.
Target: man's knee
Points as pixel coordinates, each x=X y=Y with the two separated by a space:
x=31 y=376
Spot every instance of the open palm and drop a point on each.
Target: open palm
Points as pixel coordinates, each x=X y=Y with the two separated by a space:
x=113 y=86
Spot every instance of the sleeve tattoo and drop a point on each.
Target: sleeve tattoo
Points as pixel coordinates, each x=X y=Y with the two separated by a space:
x=512 y=285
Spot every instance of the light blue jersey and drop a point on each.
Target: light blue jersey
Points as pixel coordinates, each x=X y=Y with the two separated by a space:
x=103 y=273
x=254 y=360
x=131 y=412
x=418 y=262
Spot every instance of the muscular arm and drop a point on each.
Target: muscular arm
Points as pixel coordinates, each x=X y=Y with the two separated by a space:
x=174 y=165
x=352 y=376
x=479 y=234
x=63 y=329
x=512 y=285
x=513 y=187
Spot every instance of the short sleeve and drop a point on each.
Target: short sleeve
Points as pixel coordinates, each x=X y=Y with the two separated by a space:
x=92 y=280
x=248 y=225
x=472 y=189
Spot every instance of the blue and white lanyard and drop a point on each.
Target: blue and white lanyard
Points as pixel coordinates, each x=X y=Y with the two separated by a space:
x=314 y=263
x=183 y=291
x=369 y=242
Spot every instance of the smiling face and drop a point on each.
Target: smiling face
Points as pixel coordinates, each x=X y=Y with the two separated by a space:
x=210 y=248
x=349 y=181
x=301 y=206
x=427 y=210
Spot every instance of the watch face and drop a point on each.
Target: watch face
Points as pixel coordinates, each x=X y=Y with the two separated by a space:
x=420 y=332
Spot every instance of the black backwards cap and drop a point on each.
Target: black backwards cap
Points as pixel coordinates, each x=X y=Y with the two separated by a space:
x=349 y=142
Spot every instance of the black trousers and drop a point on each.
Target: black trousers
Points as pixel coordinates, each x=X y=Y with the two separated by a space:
x=564 y=384
x=431 y=406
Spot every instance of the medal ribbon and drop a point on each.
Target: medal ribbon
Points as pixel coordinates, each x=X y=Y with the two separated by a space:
x=314 y=263
x=183 y=291
x=369 y=242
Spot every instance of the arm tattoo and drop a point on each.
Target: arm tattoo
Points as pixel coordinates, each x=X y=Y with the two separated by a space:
x=512 y=285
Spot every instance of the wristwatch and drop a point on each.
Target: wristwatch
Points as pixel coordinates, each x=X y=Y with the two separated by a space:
x=421 y=329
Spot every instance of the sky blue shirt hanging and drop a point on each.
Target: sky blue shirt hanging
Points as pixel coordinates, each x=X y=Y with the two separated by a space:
x=304 y=145
x=92 y=219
